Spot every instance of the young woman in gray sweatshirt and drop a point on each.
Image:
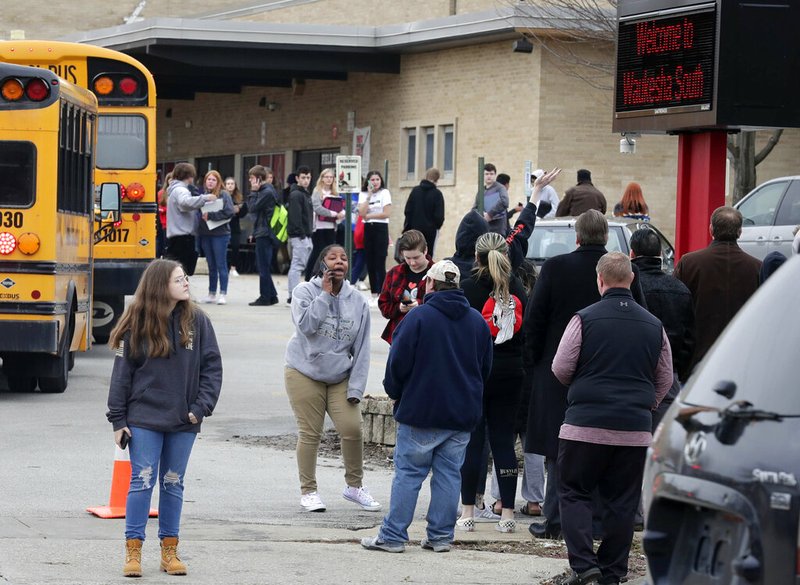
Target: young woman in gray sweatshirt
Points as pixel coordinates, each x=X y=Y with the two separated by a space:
x=327 y=361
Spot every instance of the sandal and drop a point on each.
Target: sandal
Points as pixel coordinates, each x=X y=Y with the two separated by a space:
x=530 y=509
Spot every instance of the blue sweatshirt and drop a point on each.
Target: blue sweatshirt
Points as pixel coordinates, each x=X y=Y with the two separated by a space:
x=159 y=393
x=441 y=356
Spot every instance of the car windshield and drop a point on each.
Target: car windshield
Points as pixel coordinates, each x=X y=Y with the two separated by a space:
x=552 y=240
x=757 y=351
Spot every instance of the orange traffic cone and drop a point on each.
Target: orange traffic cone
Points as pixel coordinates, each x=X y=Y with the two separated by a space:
x=120 y=484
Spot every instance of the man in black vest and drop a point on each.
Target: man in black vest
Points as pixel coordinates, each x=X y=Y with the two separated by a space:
x=615 y=357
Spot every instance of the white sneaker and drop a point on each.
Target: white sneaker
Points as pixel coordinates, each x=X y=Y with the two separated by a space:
x=362 y=285
x=311 y=502
x=361 y=497
x=209 y=299
x=233 y=272
x=221 y=300
x=465 y=524
x=486 y=515
x=506 y=526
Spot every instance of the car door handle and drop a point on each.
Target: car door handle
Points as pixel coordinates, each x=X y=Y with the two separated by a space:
x=760 y=239
x=777 y=238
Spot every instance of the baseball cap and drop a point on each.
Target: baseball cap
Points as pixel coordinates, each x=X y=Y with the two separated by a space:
x=445 y=271
x=537 y=173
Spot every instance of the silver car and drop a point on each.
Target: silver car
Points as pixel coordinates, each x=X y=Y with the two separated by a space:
x=770 y=211
x=552 y=237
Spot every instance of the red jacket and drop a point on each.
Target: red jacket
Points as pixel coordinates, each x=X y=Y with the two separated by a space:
x=394 y=286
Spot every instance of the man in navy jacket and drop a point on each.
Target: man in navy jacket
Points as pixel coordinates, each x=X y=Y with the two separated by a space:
x=441 y=355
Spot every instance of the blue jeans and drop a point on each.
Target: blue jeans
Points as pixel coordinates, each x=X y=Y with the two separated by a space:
x=264 y=250
x=417 y=452
x=216 y=250
x=165 y=454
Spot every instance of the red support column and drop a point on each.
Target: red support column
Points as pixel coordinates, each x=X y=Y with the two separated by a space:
x=701 y=187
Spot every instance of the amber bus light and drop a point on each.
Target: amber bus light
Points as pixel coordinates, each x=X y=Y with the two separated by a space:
x=12 y=89
x=104 y=85
x=28 y=243
x=135 y=192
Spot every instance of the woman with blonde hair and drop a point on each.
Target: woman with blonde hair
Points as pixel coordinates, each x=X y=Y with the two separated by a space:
x=328 y=212
x=167 y=377
x=633 y=204
x=499 y=295
x=214 y=233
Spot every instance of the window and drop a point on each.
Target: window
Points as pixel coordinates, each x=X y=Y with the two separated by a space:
x=448 y=143
x=17 y=173
x=430 y=153
x=789 y=212
x=425 y=146
x=75 y=177
x=759 y=208
x=121 y=142
x=411 y=154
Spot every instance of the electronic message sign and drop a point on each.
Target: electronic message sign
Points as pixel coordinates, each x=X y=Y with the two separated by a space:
x=666 y=63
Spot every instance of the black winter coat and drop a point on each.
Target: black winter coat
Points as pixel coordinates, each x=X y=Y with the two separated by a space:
x=424 y=209
x=670 y=301
x=566 y=284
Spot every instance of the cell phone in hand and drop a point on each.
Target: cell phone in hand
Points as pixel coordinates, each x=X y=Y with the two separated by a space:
x=406 y=301
x=123 y=442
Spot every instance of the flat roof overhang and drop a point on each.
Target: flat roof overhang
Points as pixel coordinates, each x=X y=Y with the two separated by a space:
x=187 y=56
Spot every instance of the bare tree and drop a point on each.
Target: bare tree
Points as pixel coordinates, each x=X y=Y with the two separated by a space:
x=581 y=35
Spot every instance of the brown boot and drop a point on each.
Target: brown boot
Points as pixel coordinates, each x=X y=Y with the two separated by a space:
x=170 y=563
x=133 y=558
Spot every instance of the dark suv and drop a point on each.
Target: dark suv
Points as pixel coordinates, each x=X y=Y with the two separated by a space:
x=721 y=493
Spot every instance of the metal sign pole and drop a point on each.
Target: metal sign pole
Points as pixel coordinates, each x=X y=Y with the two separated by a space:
x=480 y=185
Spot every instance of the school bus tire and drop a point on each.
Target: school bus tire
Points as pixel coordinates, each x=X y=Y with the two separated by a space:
x=58 y=383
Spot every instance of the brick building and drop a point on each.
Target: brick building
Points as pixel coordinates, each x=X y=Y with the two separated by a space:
x=435 y=81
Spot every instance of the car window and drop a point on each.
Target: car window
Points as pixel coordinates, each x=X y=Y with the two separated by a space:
x=617 y=242
x=759 y=208
x=550 y=240
x=789 y=211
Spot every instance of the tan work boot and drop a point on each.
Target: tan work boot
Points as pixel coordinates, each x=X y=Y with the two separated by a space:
x=133 y=558
x=170 y=563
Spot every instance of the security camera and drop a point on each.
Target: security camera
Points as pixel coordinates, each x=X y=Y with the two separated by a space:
x=627 y=145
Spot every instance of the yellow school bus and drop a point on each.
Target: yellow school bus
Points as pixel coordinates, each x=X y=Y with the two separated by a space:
x=47 y=150
x=126 y=154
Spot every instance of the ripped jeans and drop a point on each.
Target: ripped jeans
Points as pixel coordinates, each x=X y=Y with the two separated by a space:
x=156 y=455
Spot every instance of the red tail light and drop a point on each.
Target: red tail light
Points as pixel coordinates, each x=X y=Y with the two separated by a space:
x=128 y=85
x=37 y=90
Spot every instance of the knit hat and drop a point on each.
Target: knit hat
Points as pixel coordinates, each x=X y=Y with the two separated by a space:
x=445 y=271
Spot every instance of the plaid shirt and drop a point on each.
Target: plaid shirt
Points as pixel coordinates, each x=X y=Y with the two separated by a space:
x=394 y=286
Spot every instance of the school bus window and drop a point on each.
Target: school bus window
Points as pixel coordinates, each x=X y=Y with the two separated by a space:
x=73 y=177
x=17 y=173
x=121 y=142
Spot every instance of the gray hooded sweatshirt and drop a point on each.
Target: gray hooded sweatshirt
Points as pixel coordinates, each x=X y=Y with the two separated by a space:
x=181 y=206
x=331 y=339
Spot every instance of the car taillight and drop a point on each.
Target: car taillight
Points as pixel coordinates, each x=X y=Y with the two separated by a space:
x=28 y=243
x=128 y=85
x=37 y=90
x=135 y=191
x=8 y=243
x=12 y=89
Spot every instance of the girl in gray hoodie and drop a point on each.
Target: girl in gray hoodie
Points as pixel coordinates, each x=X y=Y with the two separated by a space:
x=327 y=361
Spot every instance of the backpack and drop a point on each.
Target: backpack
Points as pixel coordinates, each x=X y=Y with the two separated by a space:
x=280 y=222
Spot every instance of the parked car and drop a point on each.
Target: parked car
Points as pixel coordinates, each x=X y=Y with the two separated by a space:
x=721 y=484
x=552 y=237
x=770 y=211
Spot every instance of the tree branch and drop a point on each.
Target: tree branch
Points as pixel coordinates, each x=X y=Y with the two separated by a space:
x=771 y=143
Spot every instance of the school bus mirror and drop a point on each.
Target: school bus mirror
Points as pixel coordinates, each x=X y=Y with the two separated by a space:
x=110 y=197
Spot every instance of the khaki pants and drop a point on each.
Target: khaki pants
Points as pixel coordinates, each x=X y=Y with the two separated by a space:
x=310 y=401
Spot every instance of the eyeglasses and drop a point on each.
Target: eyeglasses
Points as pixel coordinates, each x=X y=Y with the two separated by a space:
x=181 y=279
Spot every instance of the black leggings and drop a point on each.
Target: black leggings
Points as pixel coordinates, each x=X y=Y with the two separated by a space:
x=182 y=249
x=500 y=402
x=376 y=246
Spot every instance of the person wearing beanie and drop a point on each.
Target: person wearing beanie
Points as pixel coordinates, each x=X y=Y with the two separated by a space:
x=582 y=197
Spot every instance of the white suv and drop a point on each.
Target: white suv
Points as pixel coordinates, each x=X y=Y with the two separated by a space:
x=770 y=211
